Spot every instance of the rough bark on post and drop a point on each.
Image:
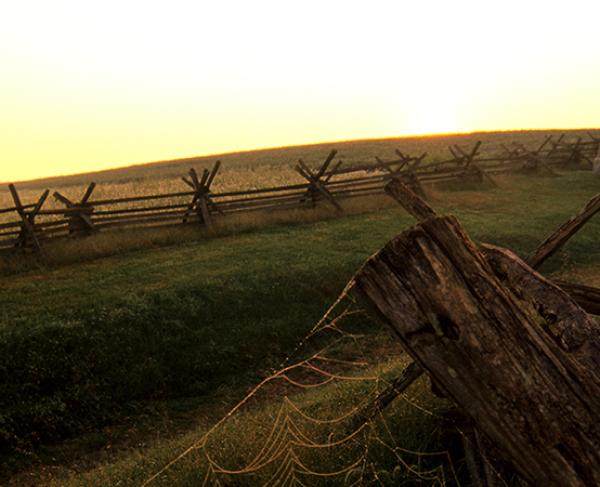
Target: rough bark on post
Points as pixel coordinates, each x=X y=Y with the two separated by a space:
x=586 y=296
x=521 y=372
x=409 y=200
x=411 y=179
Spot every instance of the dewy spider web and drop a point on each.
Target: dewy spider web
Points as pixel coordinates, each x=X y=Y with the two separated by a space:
x=295 y=443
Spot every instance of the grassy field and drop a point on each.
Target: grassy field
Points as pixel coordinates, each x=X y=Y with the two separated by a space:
x=87 y=345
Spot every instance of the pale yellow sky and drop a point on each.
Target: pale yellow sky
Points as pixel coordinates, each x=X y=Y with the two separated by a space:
x=87 y=85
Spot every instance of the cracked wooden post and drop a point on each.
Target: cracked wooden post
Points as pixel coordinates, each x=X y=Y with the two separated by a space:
x=27 y=236
x=500 y=340
x=79 y=215
x=587 y=297
x=201 y=204
x=482 y=341
x=317 y=186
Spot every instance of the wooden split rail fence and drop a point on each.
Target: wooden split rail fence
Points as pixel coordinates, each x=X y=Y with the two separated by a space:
x=516 y=352
x=329 y=184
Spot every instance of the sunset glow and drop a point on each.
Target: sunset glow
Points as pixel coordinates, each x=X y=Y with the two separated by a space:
x=93 y=85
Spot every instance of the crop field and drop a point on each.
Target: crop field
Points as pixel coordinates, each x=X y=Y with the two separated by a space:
x=138 y=365
x=269 y=167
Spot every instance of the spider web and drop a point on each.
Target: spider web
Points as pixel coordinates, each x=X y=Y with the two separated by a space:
x=310 y=423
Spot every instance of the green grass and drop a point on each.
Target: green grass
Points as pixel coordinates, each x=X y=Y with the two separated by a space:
x=85 y=344
x=421 y=434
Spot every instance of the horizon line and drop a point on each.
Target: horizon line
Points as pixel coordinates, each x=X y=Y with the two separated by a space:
x=307 y=144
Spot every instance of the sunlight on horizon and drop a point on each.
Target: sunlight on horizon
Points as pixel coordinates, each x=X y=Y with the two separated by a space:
x=90 y=86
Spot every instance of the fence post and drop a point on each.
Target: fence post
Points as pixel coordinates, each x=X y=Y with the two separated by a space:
x=79 y=215
x=317 y=186
x=28 y=234
x=478 y=322
x=407 y=171
x=201 y=203
x=471 y=171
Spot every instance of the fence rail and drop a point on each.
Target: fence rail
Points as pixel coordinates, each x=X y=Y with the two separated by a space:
x=328 y=184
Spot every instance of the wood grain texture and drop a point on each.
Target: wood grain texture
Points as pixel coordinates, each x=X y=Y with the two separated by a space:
x=512 y=358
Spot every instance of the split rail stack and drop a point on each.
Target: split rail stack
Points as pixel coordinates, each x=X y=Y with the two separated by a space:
x=329 y=184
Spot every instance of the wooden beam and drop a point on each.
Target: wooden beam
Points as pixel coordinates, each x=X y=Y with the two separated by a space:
x=27 y=228
x=563 y=233
x=543 y=144
x=63 y=199
x=39 y=204
x=325 y=165
x=468 y=157
x=396 y=387
x=409 y=200
x=316 y=185
x=205 y=176
x=194 y=178
x=188 y=182
x=213 y=173
x=88 y=193
x=333 y=172
x=417 y=161
x=204 y=213
x=383 y=166
x=483 y=340
x=585 y=296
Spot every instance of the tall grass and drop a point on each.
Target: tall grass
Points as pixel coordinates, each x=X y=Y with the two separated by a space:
x=421 y=453
x=72 y=250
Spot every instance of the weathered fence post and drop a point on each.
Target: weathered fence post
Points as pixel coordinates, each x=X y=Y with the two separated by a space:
x=567 y=155
x=534 y=162
x=407 y=172
x=512 y=350
x=201 y=203
x=27 y=235
x=79 y=215
x=555 y=241
x=317 y=187
x=472 y=172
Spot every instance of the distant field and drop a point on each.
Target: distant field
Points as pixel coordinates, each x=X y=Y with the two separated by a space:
x=252 y=169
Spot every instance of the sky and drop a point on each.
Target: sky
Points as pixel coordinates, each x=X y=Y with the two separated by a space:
x=89 y=85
